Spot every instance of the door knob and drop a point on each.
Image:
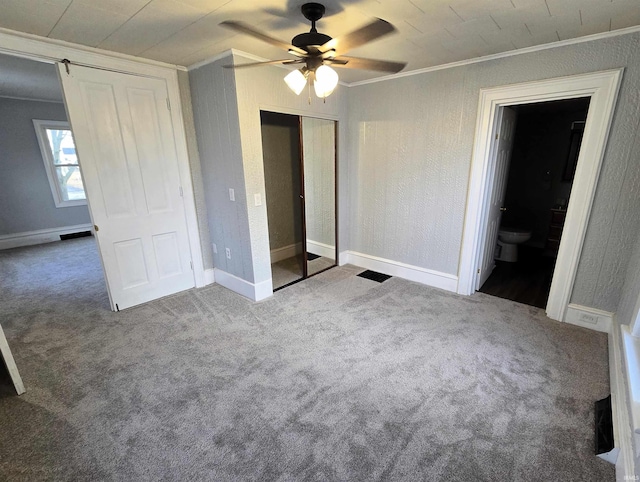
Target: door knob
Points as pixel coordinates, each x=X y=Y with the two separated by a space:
x=503 y=209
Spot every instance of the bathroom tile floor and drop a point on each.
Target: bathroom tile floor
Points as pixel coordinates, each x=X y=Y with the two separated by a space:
x=526 y=281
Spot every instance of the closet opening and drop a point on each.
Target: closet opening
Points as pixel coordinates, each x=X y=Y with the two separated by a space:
x=299 y=155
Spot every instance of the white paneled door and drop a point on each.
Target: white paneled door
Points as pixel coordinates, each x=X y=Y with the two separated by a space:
x=499 y=168
x=126 y=147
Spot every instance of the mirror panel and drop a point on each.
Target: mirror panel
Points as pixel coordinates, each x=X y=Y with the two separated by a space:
x=283 y=190
x=319 y=162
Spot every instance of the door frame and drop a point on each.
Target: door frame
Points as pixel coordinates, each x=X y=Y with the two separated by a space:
x=602 y=88
x=53 y=51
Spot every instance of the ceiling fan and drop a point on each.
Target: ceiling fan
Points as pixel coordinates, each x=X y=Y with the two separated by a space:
x=318 y=51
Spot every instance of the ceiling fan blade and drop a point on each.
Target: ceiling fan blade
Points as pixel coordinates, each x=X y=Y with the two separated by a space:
x=372 y=31
x=249 y=30
x=367 y=64
x=268 y=62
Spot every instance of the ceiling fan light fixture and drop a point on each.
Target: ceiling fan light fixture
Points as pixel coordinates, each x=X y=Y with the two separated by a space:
x=326 y=80
x=296 y=80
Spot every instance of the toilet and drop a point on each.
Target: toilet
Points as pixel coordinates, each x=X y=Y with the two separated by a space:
x=508 y=240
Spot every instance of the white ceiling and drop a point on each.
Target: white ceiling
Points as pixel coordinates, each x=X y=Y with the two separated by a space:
x=431 y=32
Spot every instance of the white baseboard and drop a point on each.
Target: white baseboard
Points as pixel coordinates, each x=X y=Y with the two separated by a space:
x=343 y=258
x=321 y=249
x=209 y=276
x=587 y=317
x=255 y=292
x=619 y=407
x=263 y=290
x=285 y=252
x=425 y=276
x=41 y=236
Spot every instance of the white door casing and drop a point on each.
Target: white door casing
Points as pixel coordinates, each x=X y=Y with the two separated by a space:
x=126 y=148
x=602 y=88
x=498 y=171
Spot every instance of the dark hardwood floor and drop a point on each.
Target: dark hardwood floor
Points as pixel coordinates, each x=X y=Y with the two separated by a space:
x=527 y=281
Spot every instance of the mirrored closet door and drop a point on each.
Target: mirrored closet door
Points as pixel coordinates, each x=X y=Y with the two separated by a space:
x=319 y=160
x=299 y=156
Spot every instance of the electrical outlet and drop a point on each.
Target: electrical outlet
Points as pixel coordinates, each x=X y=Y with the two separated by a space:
x=588 y=318
x=258 y=199
x=215 y=248
x=228 y=253
x=232 y=194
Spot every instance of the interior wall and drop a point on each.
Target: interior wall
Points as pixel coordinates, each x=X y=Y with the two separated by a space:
x=195 y=168
x=630 y=295
x=215 y=112
x=26 y=200
x=281 y=154
x=540 y=150
x=410 y=148
x=226 y=105
x=318 y=148
x=264 y=89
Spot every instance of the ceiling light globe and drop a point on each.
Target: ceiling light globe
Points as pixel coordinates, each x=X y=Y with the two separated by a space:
x=325 y=81
x=296 y=81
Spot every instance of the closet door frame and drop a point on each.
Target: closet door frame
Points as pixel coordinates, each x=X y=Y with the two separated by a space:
x=300 y=115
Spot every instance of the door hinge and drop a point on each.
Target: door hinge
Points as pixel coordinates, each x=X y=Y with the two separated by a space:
x=96 y=228
x=168 y=104
x=191 y=263
x=497 y=136
x=478 y=270
x=181 y=193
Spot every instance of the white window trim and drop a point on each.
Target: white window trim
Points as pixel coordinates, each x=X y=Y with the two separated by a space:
x=47 y=158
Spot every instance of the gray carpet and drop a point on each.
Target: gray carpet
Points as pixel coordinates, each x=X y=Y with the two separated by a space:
x=334 y=378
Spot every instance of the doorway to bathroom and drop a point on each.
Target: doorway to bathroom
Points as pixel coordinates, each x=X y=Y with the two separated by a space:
x=602 y=90
x=538 y=155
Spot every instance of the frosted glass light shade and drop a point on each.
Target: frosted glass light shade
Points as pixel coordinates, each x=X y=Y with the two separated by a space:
x=296 y=81
x=325 y=81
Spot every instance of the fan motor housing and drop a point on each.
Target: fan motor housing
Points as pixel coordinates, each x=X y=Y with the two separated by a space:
x=304 y=40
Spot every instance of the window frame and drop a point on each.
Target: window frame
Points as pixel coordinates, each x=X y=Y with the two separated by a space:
x=41 y=127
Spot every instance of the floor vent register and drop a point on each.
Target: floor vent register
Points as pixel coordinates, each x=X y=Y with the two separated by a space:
x=374 y=276
x=604 y=430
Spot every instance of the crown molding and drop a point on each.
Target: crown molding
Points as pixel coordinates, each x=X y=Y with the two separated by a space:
x=50 y=50
x=501 y=55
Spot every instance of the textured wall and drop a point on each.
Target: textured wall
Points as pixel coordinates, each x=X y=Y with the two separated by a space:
x=281 y=154
x=196 y=171
x=264 y=89
x=215 y=113
x=410 y=147
x=318 y=148
x=26 y=199
x=631 y=288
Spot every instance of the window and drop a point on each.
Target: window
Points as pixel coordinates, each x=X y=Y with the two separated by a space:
x=60 y=162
